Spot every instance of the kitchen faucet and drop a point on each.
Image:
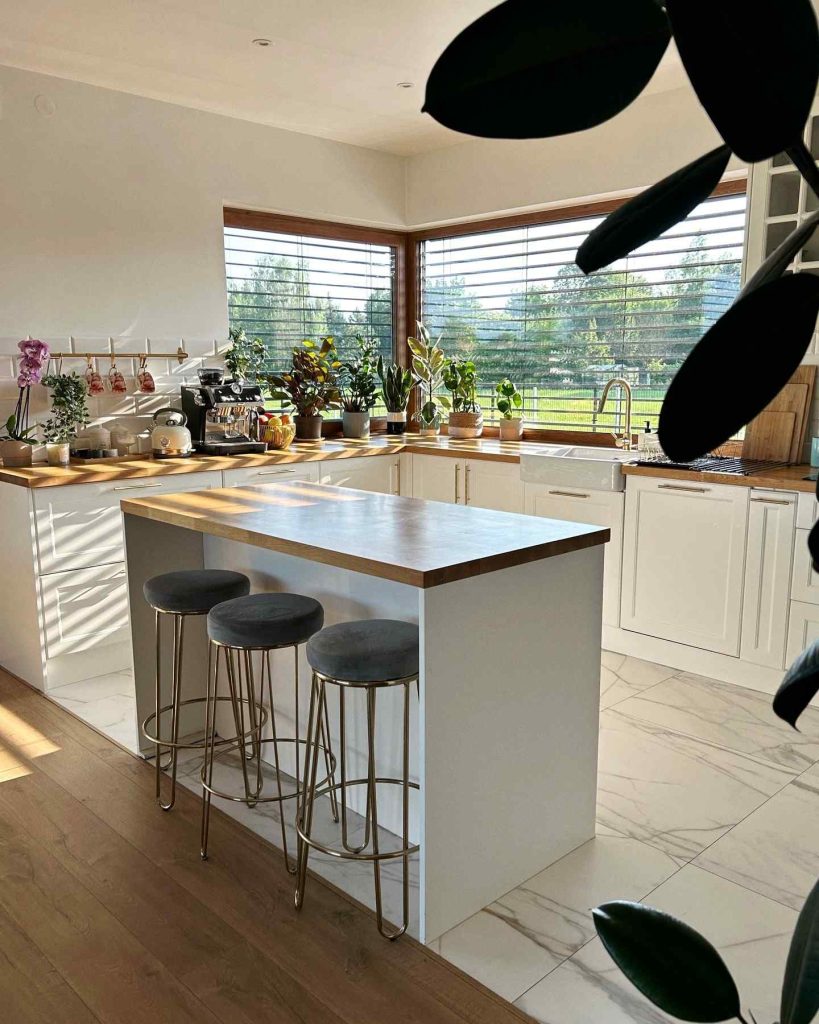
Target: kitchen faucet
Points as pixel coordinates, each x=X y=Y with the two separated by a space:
x=624 y=440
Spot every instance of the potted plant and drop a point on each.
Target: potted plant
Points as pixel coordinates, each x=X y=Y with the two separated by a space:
x=245 y=359
x=396 y=385
x=309 y=386
x=509 y=401
x=460 y=378
x=16 y=442
x=69 y=412
x=357 y=387
x=428 y=368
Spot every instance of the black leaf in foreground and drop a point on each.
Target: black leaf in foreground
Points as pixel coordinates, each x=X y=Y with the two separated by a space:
x=529 y=69
x=719 y=388
x=754 y=67
x=782 y=257
x=813 y=544
x=668 y=961
x=799 y=687
x=800 y=989
x=653 y=211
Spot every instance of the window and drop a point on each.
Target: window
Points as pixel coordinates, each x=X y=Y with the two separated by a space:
x=283 y=287
x=513 y=301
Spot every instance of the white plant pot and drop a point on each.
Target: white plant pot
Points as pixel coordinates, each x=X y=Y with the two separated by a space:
x=511 y=430
x=355 y=424
x=58 y=454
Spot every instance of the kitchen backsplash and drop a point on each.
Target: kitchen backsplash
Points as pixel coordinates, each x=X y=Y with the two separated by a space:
x=133 y=409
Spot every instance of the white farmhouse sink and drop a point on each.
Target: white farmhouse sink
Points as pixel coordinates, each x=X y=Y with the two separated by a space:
x=600 y=469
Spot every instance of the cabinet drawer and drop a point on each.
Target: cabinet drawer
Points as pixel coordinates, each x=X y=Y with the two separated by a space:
x=805 y=582
x=377 y=473
x=84 y=608
x=81 y=526
x=270 y=474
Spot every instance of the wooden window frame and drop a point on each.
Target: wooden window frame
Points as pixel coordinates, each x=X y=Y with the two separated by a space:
x=407 y=290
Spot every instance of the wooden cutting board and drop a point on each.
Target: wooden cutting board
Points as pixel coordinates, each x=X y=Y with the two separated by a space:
x=770 y=436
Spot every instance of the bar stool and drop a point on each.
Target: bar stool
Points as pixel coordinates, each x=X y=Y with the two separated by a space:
x=180 y=595
x=237 y=629
x=369 y=655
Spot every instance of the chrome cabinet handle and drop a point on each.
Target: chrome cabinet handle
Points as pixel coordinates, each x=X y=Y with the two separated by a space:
x=274 y=472
x=135 y=487
x=773 y=501
x=466 y=484
x=681 y=487
x=457 y=482
x=570 y=494
x=397 y=476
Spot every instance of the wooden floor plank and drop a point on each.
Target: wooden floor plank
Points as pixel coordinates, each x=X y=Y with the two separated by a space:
x=225 y=932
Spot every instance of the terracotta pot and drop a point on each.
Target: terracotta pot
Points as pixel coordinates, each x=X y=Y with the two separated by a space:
x=465 y=424
x=308 y=428
x=58 y=454
x=355 y=424
x=15 y=453
x=511 y=430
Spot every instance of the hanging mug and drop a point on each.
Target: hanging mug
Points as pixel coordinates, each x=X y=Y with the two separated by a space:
x=116 y=380
x=93 y=379
x=145 y=378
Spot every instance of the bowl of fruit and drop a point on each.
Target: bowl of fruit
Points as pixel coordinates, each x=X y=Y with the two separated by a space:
x=277 y=431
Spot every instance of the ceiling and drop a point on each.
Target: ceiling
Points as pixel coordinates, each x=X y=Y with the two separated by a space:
x=331 y=70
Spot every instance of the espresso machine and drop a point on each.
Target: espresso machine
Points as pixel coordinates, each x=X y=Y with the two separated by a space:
x=223 y=414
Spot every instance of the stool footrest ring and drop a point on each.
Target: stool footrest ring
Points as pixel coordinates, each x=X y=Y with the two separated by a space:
x=201 y=743
x=228 y=746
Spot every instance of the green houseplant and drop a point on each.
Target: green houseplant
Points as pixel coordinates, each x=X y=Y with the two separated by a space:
x=310 y=386
x=428 y=368
x=396 y=386
x=358 y=389
x=245 y=358
x=510 y=401
x=69 y=412
x=460 y=378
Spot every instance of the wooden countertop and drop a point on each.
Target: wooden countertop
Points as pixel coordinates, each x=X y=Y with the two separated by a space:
x=420 y=543
x=791 y=478
x=127 y=469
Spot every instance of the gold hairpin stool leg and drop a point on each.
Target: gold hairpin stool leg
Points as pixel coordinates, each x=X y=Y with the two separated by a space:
x=248 y=690
x=313 y=789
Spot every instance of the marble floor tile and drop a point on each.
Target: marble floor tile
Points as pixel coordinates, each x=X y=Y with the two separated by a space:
x=728 y=716
x=96 y=688
x=775 y=851
x=622 y=677
x=514 y=942
x=674 y=792
x=105 y=702
x=751 y=932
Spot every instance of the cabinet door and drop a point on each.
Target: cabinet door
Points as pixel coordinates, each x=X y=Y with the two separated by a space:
x=804 y=582
x=438 y=478
x=493 y=485
x=378 y=473
x=803 y=629
x=81 y=525
x=84 y=608
x=683 y=562
x=270 y=474
x=596 y=508
x=771 y=521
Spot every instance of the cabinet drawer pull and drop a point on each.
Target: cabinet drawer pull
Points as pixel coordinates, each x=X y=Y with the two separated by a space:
x=135 y=487
x=773 y=501
x=397 y=476
x=570 y=494
x=681 y=487
x=274 y=472
x=457 y=482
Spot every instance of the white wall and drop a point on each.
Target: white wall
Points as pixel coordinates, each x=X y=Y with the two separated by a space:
x=479 y=177
x=111 y=215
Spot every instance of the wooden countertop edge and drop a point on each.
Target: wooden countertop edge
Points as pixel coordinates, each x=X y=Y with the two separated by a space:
x=790 y=478
x=421 y=579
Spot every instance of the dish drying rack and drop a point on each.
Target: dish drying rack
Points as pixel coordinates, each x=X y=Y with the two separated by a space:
x=734 y=465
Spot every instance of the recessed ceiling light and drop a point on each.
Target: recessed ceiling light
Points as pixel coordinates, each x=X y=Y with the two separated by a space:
x=405 y=85
x=261 y=42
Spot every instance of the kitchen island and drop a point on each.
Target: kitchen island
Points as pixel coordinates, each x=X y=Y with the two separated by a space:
x=509 y=610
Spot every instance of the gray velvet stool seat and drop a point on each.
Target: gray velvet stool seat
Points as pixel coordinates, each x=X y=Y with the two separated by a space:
x=243 y=632
x=179 y=595
x=367 y=655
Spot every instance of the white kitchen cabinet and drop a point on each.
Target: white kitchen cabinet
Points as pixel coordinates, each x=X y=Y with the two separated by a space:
x=683 y=562
x=84 y=608
x=438 y=478
x=803 y=629
x=597 y=508
x=81 y=525
x=271 y=474
x=378 y=473
x=493 y=484
x=804 y=581
x=771 y=522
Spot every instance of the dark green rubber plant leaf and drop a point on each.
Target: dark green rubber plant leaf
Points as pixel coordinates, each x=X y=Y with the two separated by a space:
x=799 y=687
x=668 y=961
x=538 y=68
x=653 y=211
x=800 y=989
x=754 y=67
x=719 y=388
x=784 y=254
